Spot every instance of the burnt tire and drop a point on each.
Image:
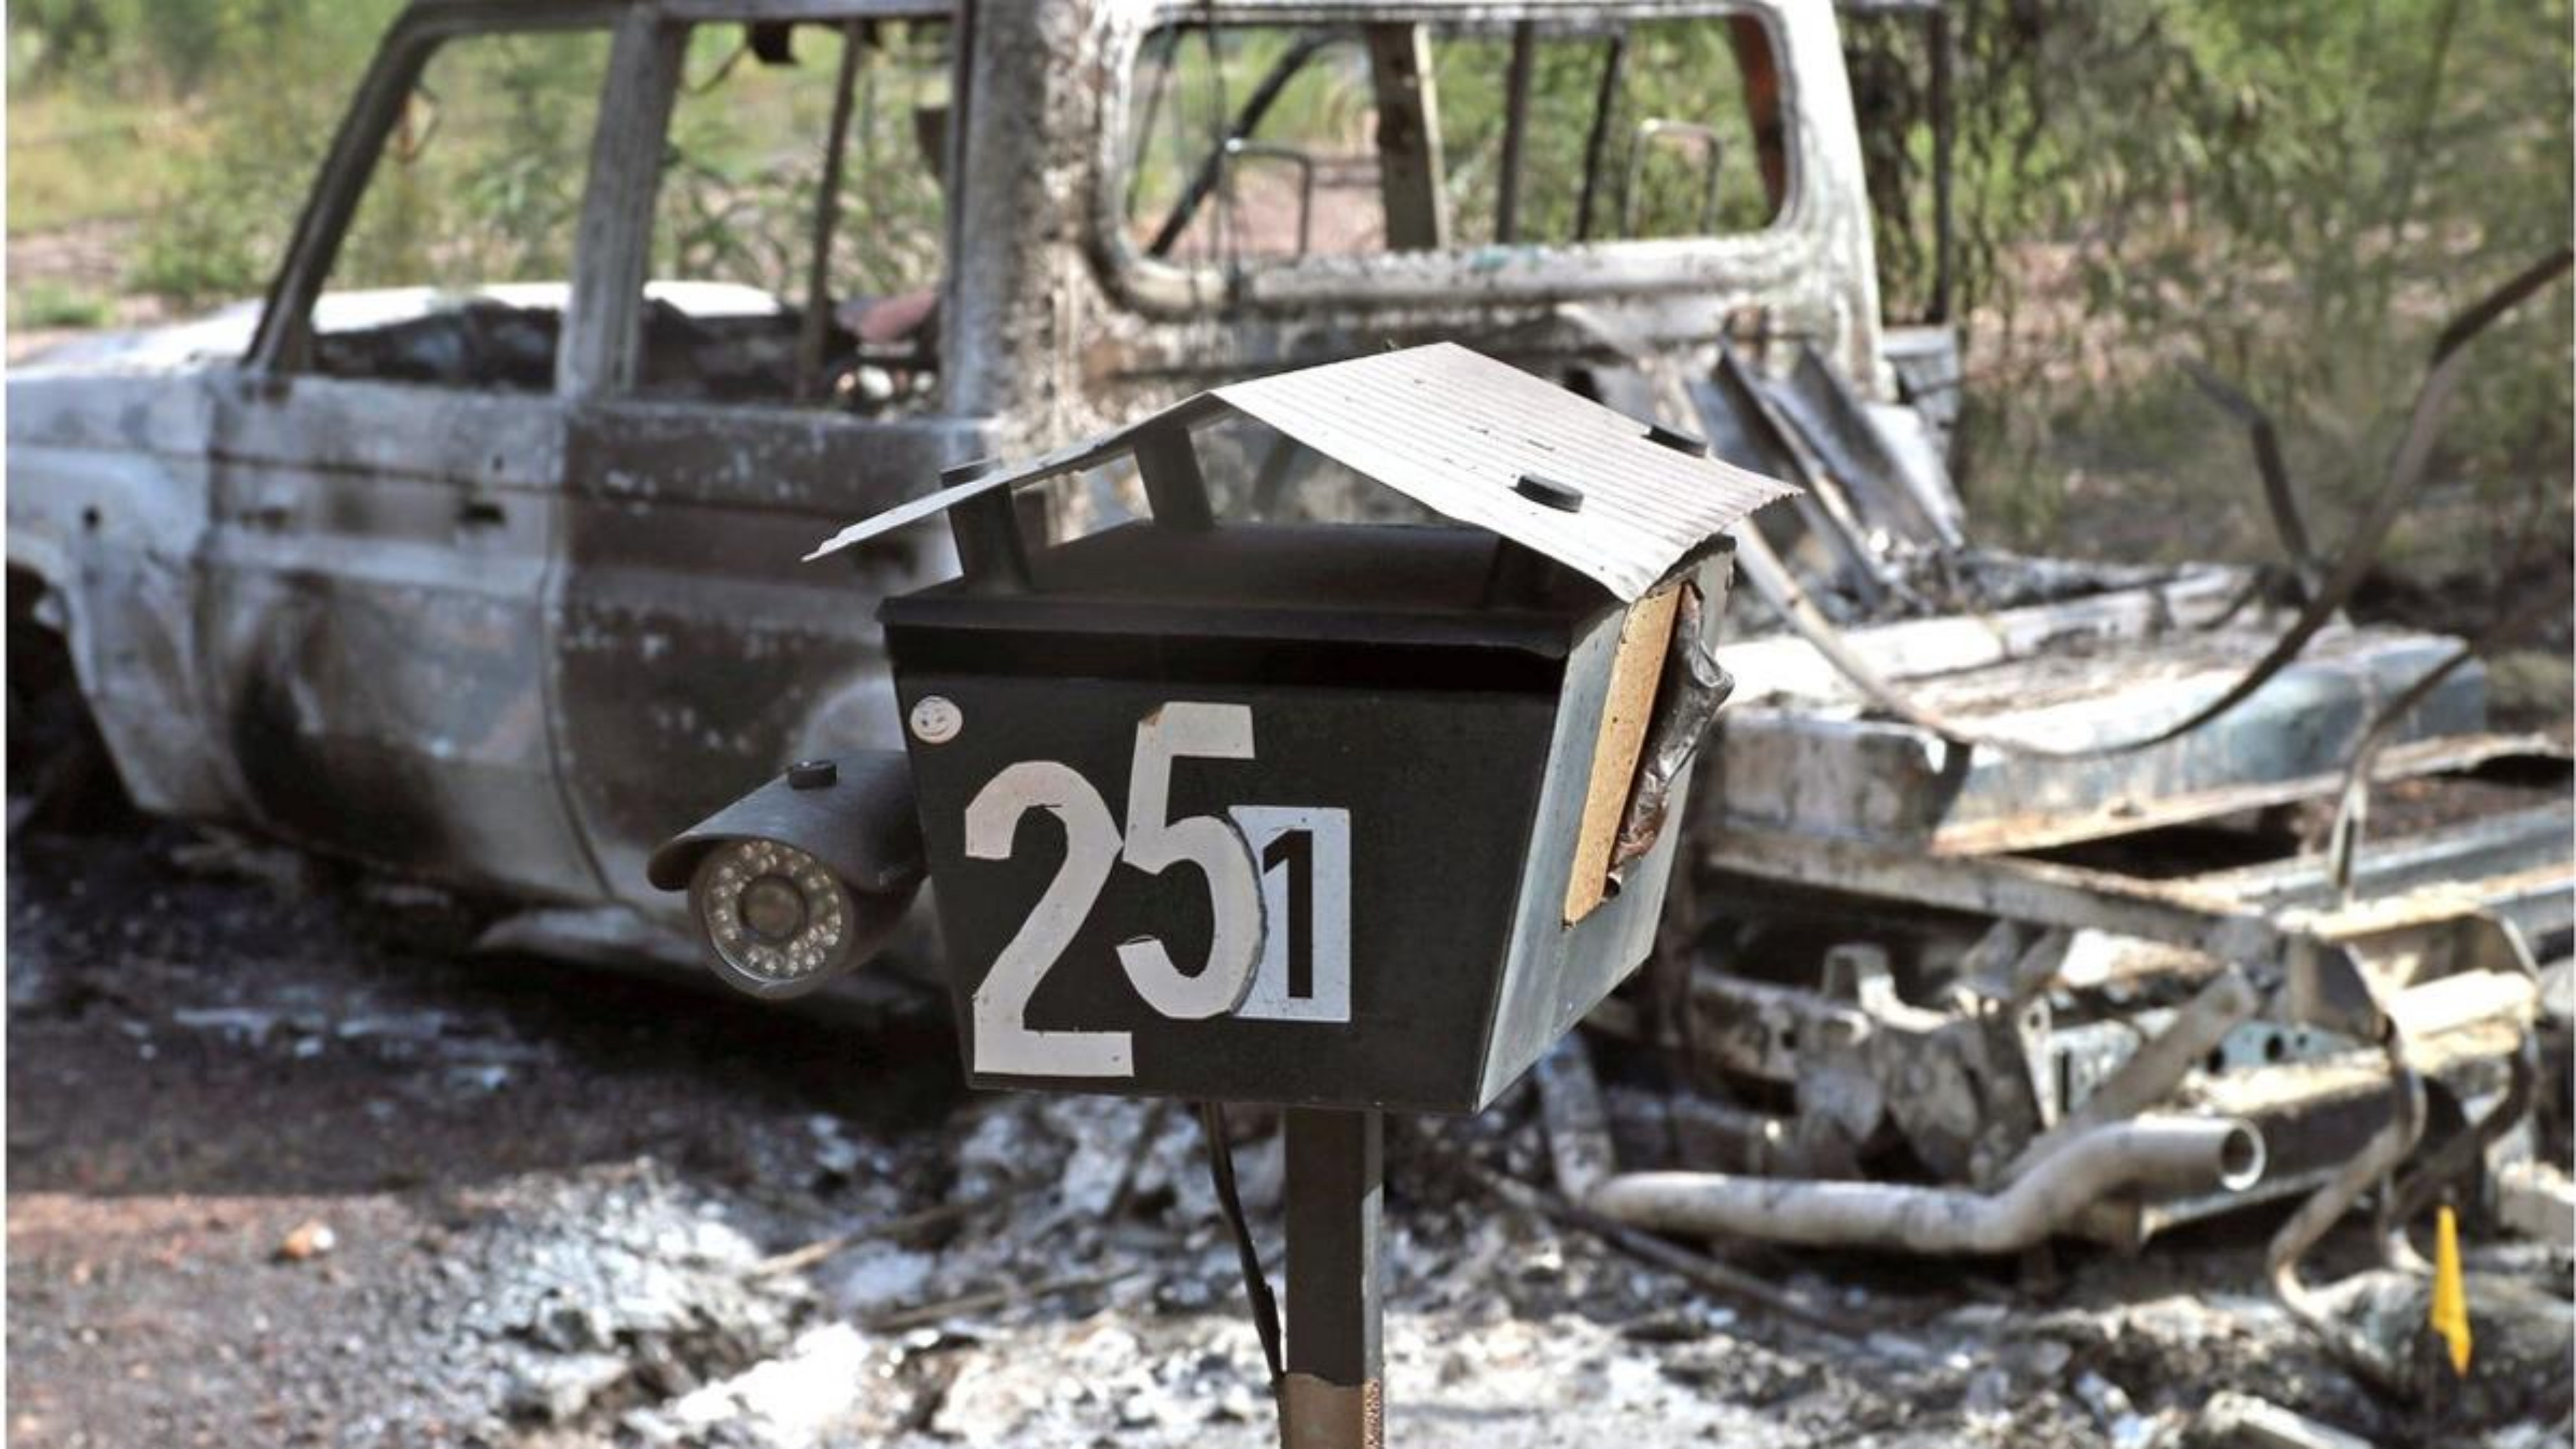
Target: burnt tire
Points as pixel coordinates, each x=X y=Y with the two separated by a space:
x=60 y=776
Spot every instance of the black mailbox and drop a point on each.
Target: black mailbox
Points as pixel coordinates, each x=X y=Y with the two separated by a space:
x=1353 y=815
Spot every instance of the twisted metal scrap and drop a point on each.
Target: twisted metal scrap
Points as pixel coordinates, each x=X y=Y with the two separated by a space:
x=1771 y=577
x=2375 y=1163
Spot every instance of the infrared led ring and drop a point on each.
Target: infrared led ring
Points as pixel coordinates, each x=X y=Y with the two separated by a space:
x=778 y=923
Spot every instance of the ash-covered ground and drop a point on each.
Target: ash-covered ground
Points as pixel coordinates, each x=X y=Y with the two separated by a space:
x=290 y=1163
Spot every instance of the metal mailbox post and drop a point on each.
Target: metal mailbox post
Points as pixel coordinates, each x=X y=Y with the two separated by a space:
x=1345 y=818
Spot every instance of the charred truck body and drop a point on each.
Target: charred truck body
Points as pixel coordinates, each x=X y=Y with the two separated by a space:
x=496 y=584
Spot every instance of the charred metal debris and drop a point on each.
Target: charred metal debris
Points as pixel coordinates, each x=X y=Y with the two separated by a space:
x=2062 y=919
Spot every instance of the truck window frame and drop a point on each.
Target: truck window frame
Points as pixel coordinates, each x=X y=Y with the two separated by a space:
x=679 y=20
x=283 y=341
x=601 y=331
x=1166 y=290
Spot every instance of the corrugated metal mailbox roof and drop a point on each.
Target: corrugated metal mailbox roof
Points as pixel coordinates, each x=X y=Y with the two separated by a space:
x=1472 y=439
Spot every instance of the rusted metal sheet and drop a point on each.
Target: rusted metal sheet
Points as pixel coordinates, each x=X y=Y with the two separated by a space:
x=2129 y=814
x=1810 y=765
x=372 y=581
x=2506 y=846
x=106 y=502
x=2095 y=610
x=2010 y=888
x=691 y=655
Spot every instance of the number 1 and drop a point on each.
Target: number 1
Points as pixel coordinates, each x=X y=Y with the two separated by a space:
x=1294 y=852
x=1305 y=855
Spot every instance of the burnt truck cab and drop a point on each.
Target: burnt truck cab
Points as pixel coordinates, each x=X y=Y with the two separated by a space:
x=491 y=578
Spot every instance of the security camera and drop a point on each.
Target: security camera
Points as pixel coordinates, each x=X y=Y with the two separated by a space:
x=803 y=879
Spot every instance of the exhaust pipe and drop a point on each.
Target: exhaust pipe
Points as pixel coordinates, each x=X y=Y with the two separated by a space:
x=2226 y=1003
x=2188 y=1154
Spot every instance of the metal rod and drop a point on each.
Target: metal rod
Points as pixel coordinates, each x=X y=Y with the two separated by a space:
x=1409 y=165
x=1944 y=128
x=1596 y=146
x=1823 y=506
x=816 y=326
x=1697 y=1269
x=1176 y=488
x=2151 y=1074
x=2290 y=1243
x=1516 y=89
x=2445 y=1164
x=2192 y=1153
x=991 y=554
x=1333 y=1396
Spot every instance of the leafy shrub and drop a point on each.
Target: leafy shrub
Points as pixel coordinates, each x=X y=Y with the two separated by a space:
x=51 y=304
x=2297 y=191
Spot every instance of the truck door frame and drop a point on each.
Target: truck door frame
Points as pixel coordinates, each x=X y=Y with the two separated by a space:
x=689 y=651
x=378 y=553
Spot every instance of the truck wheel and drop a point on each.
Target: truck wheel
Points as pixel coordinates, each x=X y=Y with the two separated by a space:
x=60 y=776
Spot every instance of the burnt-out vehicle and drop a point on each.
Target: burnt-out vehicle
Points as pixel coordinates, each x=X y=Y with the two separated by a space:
x=495 y=579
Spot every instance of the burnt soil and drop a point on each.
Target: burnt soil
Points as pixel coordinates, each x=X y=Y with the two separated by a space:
x=290 y=1163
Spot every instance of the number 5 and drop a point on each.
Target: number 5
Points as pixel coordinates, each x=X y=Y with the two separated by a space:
x=1210 y=842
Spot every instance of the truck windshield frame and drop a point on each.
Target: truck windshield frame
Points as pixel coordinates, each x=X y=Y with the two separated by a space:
x=1142 y=272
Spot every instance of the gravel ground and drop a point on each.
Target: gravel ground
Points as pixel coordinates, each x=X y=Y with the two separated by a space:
x=291 y=1164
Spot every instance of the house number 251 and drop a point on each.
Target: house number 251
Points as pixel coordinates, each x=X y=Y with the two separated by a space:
x=1278 y=883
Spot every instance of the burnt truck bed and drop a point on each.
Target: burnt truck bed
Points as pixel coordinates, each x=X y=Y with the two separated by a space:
x=2100 y=894
x=1806 y=751
x=1954 y=932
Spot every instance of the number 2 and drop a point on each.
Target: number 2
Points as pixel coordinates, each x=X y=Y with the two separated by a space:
x=1003 y=1040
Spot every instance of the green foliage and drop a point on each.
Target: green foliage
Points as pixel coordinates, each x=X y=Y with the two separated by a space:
x=744 y=171
x=202 y=120
x=2297 y=191
x=205 y=122
x=79 y=158
x=481 y=181
x=180 y=47
x=194 y=256
x=52 y=304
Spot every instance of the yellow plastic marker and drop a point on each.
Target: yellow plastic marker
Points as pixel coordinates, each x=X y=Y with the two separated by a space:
x=2450 y=1315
